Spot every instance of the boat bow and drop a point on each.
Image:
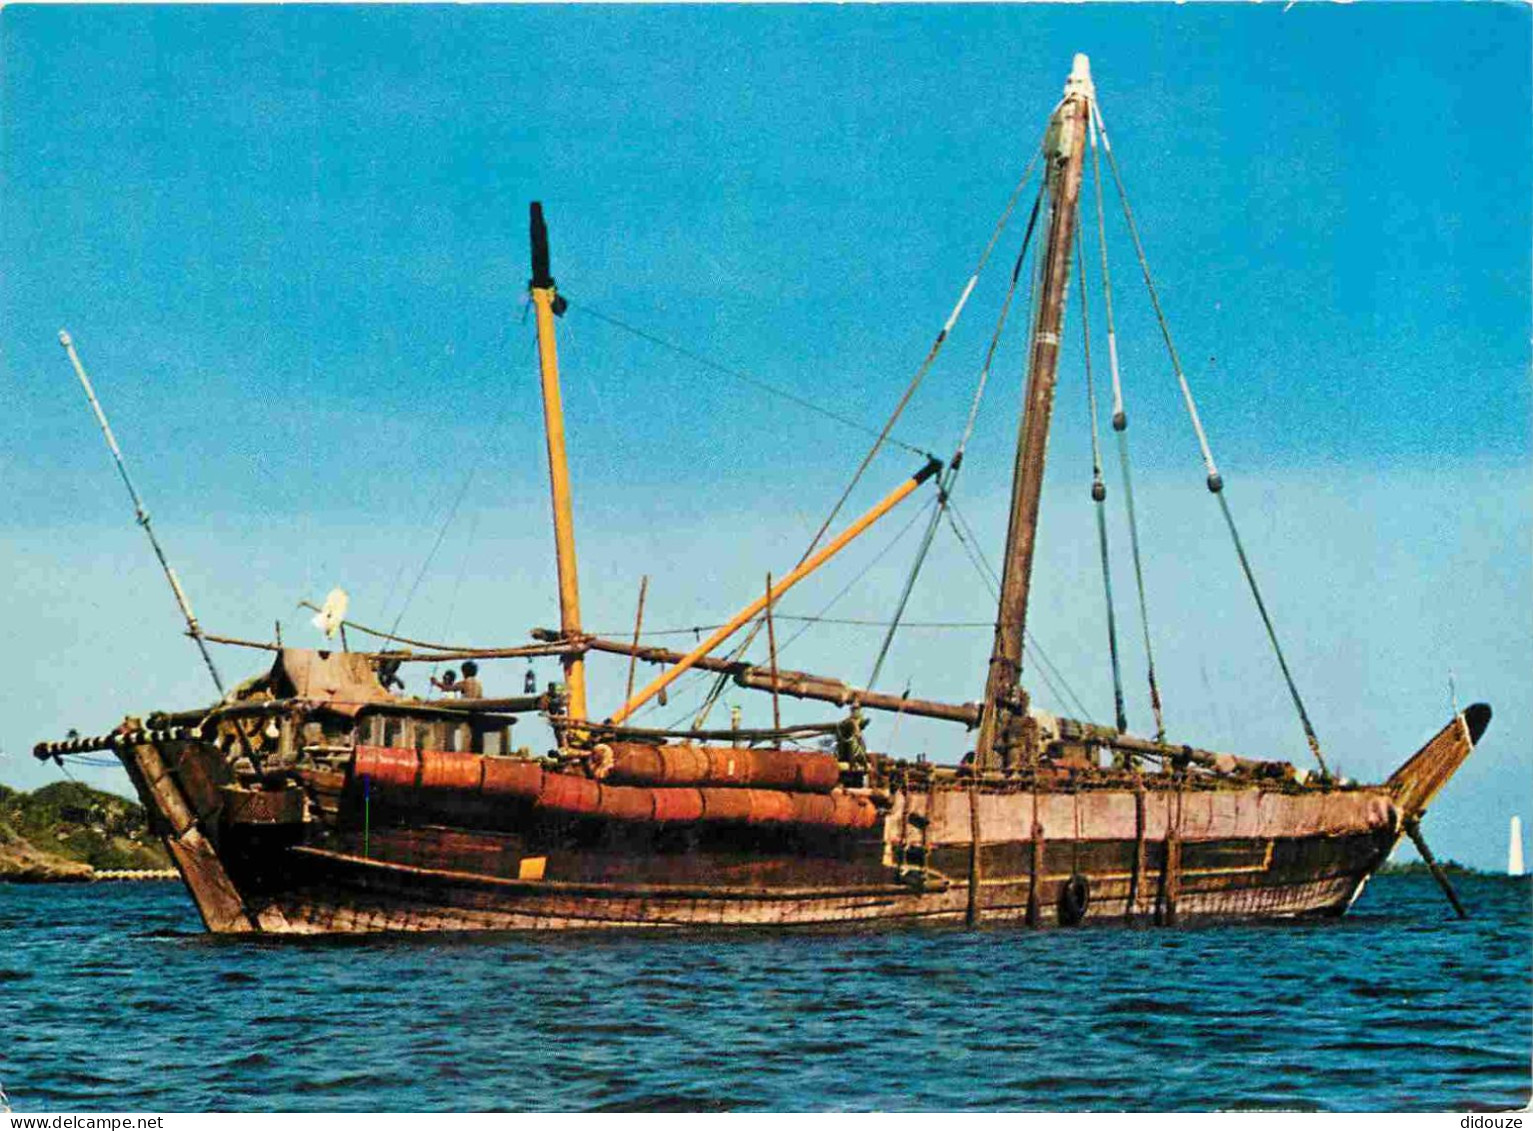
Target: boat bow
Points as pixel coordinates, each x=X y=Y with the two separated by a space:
x=1416 y=782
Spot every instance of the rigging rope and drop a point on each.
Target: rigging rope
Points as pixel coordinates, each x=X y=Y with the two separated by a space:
x=437 y=545
x=970 y=544
x=910 y=582
x=724 y=679
x=694 y=630
x=1261 y=607
x=899 y=408
x=949 y=480
x=452 y=512
x=739 y=375
x=457 y=586
x=1215 y=482
x=1120 y=426
x=989 y=580
x=1099 y=498
x=862 y=573
x=931 y=354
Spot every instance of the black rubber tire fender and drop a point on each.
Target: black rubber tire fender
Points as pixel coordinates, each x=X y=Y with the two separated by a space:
x=1074 y=898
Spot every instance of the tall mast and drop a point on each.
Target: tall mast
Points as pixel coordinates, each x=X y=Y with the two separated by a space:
x=1005 y=703
x=546 y=303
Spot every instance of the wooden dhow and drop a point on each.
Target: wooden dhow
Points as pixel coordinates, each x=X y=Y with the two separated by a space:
x=312 y=798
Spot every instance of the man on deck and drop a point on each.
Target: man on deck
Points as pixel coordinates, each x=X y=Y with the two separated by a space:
x=469 y=686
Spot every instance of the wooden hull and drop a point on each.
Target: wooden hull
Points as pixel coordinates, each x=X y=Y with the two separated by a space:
x=352 y=895
x=329 y=858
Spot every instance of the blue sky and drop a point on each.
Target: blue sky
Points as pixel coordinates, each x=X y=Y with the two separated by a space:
x=290 y=243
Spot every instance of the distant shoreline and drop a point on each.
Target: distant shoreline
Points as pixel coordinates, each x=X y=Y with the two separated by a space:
x=1419 y=868
x=69 y=833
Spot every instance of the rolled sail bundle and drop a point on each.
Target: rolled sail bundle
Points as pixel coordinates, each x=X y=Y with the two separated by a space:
x=570 y=793
x=634 y=763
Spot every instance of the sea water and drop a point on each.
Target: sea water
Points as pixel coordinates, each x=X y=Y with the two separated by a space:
x=112 y=999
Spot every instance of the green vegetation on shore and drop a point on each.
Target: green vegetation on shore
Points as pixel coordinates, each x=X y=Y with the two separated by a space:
x=1419 y=868
x=66 y=830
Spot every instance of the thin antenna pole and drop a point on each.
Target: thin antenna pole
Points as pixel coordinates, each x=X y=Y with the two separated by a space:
x=193 y=629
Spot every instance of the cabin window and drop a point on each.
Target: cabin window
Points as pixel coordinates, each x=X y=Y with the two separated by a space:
x=399 y=733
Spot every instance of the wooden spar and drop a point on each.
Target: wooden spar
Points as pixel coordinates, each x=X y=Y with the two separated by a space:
x=554 y=647
x=238 y=643
x=546 y=303
x=1413 y=830
x=734 y=734
x=638 y=626
x=551 y=644
x=192 y=628
x=795 y=684
x=798 y=685
x=1064 y=150
x=803 y=570
x=971 y=909
x=826 y=689
x=771 y=654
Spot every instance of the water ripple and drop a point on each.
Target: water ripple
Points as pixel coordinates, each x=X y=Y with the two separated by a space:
x=1252 y=1017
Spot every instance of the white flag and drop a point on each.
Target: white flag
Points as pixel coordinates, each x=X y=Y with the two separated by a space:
x=329 y=618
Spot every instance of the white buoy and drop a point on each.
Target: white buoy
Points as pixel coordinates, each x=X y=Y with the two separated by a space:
x=1514 y=849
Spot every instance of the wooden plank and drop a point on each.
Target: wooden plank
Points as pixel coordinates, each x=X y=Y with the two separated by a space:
x=219 y=904
x=217 y=900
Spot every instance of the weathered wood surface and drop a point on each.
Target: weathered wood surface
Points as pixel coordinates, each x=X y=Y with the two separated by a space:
x=1113 y=814
x=455 y=863
x=348 y=894
x=217 y=899
x=355 y=895
x=1065 y=148
x=795 y=684
x=1418 y=781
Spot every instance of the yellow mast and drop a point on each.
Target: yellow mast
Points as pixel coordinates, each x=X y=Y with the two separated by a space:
x=546 y=303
